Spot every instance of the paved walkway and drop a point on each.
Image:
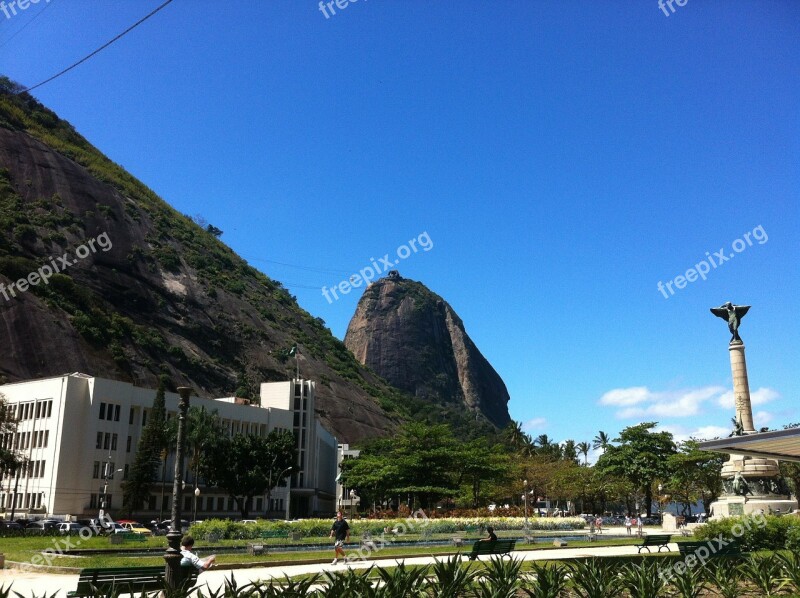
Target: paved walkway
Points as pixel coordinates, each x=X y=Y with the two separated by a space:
x=29 y=583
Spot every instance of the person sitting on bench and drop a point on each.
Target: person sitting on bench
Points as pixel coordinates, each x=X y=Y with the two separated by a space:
x=189 y=558
x=492 y=537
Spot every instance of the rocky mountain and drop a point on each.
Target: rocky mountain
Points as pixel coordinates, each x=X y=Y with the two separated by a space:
x=100 y=275
x=413 y=338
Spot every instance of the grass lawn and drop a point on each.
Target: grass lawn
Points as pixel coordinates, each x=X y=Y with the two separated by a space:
x=48 y=550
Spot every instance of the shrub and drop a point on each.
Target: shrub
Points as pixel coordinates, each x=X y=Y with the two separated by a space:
x=753 y=532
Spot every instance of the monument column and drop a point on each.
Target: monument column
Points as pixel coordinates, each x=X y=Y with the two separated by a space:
x=751 y=484
x=741 y=388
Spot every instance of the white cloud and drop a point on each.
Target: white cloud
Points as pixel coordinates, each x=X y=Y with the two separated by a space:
x=625 y=396
x=640 y=402
x=682 y=433
x=537 y=423
x=758 y=397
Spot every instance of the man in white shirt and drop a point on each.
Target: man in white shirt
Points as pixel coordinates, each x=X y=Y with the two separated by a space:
x=189 y=558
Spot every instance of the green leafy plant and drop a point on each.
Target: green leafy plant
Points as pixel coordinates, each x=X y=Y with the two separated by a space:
x=642 y=579
x=594 y=578
x=450 y=579
x=766 y=573
x=500 y=579
x=550 y=581
x=791 y=569
x=689 y=582
x=727 y=578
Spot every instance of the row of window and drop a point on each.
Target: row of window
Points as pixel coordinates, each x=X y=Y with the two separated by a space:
x=31 y=410
x=103 y=469
x=109 y=411
x=23 y=440
x=26 y=500
x=107 y=441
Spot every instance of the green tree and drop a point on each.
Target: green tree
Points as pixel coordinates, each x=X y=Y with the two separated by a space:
x=136 y=489
x=583 y=448
x=246 y=465
x=10 y=460
x=601 y=441
x=696 y=475
x=641 y=458
x=481 y=465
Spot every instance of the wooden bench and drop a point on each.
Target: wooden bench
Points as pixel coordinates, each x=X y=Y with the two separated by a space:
x=731 y=549
x=660 y=540
x=133 y=579
x=501 y=547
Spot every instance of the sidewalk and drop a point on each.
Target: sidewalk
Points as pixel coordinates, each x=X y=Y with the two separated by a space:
x=29 y=583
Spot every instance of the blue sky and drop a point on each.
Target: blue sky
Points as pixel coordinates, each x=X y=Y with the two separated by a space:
x=562 y=157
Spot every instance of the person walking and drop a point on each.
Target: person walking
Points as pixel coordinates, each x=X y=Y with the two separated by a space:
x=340 y=530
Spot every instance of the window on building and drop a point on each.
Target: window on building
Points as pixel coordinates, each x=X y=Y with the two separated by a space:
x=220 y=503
x=111 y=470
x=109 y=501
x=144 y=417
x=113 y=442
x=38 y=409
x=116 y=413
x=92 y=501
x=128 y=445
x=96 y=470
x=46 y=437
x=107 y=441
x=102 y=410
x=259 y=504
x=130 y=417
x=165 y=503
x=230 y=504
x=49 y=408
x=99 y=440
x=125 y=473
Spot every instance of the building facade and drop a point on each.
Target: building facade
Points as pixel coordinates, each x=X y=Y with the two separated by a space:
x=79 y=436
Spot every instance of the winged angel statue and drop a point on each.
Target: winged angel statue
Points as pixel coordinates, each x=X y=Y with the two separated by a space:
x=733 y=314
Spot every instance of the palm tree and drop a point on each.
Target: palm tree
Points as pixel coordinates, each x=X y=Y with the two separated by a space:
x=517 y=437
x=601 y=441
x=583 y=448
x=569 y=451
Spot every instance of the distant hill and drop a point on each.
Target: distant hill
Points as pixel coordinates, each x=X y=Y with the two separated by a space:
x=167 y=296
x=413 y=338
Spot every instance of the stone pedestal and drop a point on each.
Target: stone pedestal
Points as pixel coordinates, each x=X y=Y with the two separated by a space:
x=760 y=487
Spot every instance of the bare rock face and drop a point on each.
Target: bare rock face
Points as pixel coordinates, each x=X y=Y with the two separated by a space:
x=165 y=297
x=414 y=340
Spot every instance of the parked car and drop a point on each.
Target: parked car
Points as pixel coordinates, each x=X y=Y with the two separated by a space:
x=10 y=525
x=135 y=527
x=69 y=527
x=44 y=524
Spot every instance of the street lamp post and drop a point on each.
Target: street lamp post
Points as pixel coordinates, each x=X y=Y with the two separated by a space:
x=352 y=502
x=173 y=576
x=525 y=483
x=196 y=495
x=108 y=473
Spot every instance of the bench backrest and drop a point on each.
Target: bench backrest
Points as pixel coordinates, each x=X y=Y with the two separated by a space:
x=498 y=546
x=657 y=539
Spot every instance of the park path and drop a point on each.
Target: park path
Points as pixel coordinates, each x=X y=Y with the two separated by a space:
x=30 y=583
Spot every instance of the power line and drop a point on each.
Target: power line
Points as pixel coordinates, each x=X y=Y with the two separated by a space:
x=100 y=49
x=309 y=268
x=21 y=29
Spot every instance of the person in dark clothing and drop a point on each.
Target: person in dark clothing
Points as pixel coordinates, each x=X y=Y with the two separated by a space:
x=340 y=530
x=491 y=537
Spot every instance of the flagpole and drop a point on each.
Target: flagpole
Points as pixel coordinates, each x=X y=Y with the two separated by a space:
x=297 y=363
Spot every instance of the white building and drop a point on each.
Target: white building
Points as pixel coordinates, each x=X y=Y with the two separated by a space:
x=343 y=497
x=79 y=436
